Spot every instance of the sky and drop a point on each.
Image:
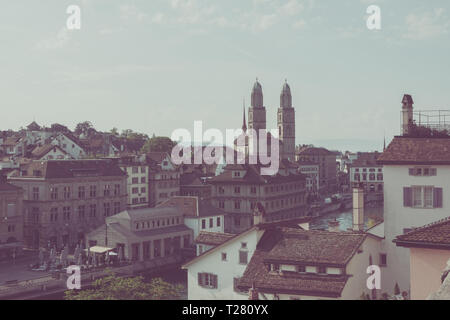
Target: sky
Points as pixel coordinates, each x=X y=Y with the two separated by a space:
x=156 y=66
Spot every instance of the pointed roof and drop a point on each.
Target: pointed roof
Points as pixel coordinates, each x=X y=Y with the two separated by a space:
x=33 y=126
x=244 y=124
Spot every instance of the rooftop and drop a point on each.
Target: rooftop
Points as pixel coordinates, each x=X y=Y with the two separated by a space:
x=434 y=235
x=425 y=151
x=213 y=238
x=298 y=246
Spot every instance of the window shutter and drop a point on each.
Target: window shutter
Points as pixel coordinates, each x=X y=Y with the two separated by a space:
x=437 y=194
x=407 y=197
x=214 y=281
x=200 y=281
x=411 y=172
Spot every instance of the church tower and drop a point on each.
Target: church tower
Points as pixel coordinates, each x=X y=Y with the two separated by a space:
x=257 y=111
x=286 y=124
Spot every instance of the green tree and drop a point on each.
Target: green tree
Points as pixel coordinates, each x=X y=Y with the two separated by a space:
x=112 y=287
x=134 y=140
x=158 y=144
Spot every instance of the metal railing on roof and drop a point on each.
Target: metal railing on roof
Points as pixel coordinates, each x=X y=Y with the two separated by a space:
x=433 y=119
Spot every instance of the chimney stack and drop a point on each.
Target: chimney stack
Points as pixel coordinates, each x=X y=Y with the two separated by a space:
x=407 y=114
x=259 y=214
x=358 y=207
x=253 y=293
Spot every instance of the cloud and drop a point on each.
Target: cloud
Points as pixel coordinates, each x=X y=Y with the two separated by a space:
x=131 y=12
x=61 y=39
x=426 y=25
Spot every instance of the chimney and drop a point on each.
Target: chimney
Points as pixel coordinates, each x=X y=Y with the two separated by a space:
x=333 y=225
x=407 y=114
x=358 y=207
x=258 y=214
x=253 y=293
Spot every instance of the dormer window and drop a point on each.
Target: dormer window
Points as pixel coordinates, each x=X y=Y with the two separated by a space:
x=322 y=270
x=236 y=174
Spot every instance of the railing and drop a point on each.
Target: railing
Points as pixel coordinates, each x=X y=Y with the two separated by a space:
x=433 y=119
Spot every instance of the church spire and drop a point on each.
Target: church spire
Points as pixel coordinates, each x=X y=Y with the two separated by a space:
x=244 y=124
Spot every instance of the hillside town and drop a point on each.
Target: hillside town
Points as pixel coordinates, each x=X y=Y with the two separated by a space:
x=311 y=231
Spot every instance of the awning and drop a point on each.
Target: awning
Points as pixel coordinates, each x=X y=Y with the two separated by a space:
x=99 y=249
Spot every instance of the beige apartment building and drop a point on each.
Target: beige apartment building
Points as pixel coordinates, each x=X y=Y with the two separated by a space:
x=11 y=220
x=240 y=187
x=65 y=199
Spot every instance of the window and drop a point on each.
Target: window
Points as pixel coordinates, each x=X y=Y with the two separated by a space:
x=143 y=170
x=53 y=193
x=253 y=190
x=322 y=270
x=224 y=256
x=117 y=189
x=426 y=172
x=35 y=193
x=107 y=190
x=243 y=257
x=143 y=180
x=66 y=213
x=66 y=191
x=135 y=170
x=237 y=190
x=135 y=190
x=106 y=209
x=222 y=204
x=92 y=210
x=93 y=191
x=211 y=222
x=218 y=221
x=422 y=197
x=237 y=204
x=383 y=259
x=203 y=224
x=207 y=280
x=135 y=180
x=53 y=214
x=81 y=212
x=81 y=192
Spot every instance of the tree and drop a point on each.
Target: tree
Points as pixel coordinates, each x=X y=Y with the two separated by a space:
x=158 y=144
x=134 y=140
x=112 y=287
x=85 y=127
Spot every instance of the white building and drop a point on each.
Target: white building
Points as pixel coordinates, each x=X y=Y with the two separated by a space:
x=283 y=261
x=416 y=190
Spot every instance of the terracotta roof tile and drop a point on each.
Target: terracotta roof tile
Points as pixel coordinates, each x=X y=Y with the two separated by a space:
x=406 y=150
x=213 y=238
x=434 y=234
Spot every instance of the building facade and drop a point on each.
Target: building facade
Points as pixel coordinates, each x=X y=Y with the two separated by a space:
x=11 y=220
x=63 y=200
x=327 y=166
x=144 y=234
x=367 y=171
x=240 y=187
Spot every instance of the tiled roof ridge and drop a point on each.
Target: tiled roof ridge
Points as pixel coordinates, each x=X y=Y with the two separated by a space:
x=429 y=225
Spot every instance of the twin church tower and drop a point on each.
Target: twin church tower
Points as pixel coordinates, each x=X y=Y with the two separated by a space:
x=285 y=119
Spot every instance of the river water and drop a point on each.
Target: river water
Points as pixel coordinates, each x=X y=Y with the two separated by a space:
x=345 y=218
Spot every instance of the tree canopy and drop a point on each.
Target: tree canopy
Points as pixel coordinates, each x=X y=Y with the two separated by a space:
x=158 y=144
x=112 y=287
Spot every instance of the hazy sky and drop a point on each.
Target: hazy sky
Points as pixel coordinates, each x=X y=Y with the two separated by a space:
x=153 y=66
